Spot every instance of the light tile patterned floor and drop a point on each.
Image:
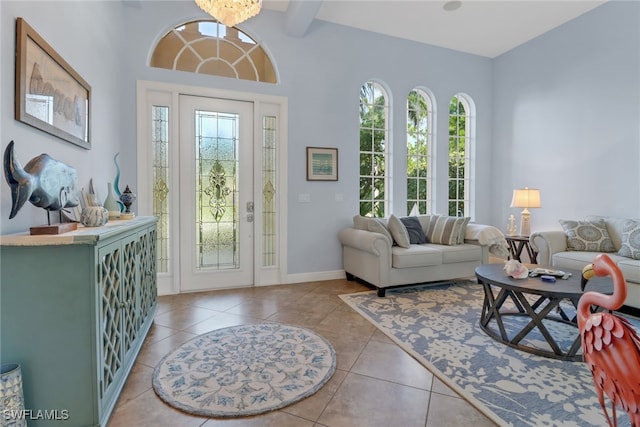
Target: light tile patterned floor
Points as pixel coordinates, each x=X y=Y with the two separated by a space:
x=376 y=383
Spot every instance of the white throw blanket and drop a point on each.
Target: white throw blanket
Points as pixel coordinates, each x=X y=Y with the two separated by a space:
x=489 y=236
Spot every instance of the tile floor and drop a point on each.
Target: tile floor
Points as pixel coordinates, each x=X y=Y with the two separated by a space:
x=375 y=384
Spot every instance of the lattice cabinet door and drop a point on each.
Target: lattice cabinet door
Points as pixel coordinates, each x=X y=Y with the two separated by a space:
x=131 y=319
x=110 y=338
x=148 y=271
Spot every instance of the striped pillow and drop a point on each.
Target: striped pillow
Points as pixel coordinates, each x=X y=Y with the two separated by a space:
x=447 y=230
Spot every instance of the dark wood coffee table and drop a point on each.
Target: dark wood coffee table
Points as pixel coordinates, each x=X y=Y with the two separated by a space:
x=537 y=300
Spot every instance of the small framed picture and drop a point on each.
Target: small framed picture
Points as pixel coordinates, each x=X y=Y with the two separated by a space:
x=322 y=164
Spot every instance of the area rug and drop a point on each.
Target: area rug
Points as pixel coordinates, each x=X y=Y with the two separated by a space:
x=244 y=370
x=439 y=327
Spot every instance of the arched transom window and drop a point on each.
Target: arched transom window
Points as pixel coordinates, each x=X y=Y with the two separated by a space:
x=208 y=47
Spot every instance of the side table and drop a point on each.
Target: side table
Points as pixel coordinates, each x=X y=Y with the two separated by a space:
x=517 y=244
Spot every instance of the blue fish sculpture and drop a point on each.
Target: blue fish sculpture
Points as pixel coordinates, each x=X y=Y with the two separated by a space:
x=44 y=181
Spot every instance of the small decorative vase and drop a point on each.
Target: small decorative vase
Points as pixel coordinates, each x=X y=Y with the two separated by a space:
x=127 y=198
x=11 y=396
x=111 y=203
x=94 y=216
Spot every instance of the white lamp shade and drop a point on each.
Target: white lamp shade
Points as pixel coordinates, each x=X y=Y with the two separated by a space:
x=526 y=198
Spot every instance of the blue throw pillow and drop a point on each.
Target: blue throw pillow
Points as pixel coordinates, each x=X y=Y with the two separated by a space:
x=416 y=233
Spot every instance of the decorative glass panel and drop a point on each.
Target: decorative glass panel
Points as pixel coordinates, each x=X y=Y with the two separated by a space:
x=208 y=47
x=269 y=213
x=217 y=215
x=160 y=142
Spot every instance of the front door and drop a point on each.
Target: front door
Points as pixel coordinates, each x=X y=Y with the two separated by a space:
x=216 y=191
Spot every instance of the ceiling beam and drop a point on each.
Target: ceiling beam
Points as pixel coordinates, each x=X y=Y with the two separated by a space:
x=299 y=16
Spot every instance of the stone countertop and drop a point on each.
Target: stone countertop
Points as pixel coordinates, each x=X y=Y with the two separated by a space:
x=83 y=235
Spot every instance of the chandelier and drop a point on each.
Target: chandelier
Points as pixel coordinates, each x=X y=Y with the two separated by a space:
x=230 y=12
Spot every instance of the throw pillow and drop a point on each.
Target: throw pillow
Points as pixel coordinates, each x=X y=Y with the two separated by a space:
x=398 y=231
x=377 y=225
x=590 y=236
x=448 y=230
x=630 y=246
x=361 y=222
x=414 y=229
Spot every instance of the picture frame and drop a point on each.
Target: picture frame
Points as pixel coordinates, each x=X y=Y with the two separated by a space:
x=322 y=164
x=49 y=94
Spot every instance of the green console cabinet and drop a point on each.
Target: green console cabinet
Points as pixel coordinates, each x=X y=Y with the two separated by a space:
x=74 y=311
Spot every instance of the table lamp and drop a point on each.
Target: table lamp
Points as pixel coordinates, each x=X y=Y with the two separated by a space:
x=525 y=198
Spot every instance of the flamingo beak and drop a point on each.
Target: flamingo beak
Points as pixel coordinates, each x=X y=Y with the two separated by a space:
x=587 y=274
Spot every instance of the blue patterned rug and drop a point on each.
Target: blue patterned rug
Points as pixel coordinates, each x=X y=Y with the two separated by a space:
x=439 y=327
x=244 y=370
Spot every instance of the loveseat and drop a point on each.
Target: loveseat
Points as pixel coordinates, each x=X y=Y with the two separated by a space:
x=394 y=252
x=579 y=241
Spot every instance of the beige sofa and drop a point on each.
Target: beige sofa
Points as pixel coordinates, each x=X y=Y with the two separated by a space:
x=374 y=256
x=567 y=248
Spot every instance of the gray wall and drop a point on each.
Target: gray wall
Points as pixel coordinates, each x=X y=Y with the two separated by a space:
x=567 y=119
x=321 y=74
x=542 y=109
x=91 y=42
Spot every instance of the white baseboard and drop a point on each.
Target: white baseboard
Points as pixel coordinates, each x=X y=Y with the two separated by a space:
x=315 y=276
x=291 y=278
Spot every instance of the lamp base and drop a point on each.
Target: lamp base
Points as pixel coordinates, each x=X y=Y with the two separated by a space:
x=525 y=223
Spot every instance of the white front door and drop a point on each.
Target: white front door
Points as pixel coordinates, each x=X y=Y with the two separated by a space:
x=216 y=193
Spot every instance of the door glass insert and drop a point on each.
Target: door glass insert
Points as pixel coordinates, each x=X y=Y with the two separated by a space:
x=217 y=214
x=160 y=142
x=269 y=191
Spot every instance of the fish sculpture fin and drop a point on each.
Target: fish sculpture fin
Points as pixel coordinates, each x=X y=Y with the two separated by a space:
x=18 y=179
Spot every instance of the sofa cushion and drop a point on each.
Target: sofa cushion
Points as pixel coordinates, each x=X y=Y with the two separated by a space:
x=461 y=253
x=630 y=270
x=589 y=236
x=361 y=222
x=398 y=231
x=414 y=229
x=447 y=230
x=578 y=259
x=630 y=239
x=379 y=225
x=416 y=256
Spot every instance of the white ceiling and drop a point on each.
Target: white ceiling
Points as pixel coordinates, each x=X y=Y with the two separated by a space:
x=481 y=27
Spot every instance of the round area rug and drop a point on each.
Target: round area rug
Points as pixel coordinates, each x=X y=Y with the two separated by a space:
x=244 y=370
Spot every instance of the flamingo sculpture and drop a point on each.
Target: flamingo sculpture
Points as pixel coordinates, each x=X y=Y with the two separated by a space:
x=610 y=345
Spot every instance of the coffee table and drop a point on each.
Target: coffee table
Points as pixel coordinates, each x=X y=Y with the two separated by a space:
x=538 y=301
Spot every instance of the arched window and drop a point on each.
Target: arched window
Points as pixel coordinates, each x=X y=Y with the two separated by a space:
x=419 y=152
x=374 y=150
x=208 y=47
x=461 y=130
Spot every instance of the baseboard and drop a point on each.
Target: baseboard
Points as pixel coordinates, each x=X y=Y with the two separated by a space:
x=290 y=278
x=315 y=276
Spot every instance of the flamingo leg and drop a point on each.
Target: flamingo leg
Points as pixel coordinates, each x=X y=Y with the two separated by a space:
x=604 y=408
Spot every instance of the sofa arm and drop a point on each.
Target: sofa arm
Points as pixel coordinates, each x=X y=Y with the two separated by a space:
x=547 y=243
x=364 y=240
x=487 y=235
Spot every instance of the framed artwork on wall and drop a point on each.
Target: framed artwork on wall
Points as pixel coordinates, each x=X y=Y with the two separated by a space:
x=49 y=94
x=322 y=164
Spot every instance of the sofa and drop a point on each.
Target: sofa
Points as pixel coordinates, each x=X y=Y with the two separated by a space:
x=394 y=252
x=579 y=241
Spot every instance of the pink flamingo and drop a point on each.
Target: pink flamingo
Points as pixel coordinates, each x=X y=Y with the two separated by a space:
x=610 y=345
